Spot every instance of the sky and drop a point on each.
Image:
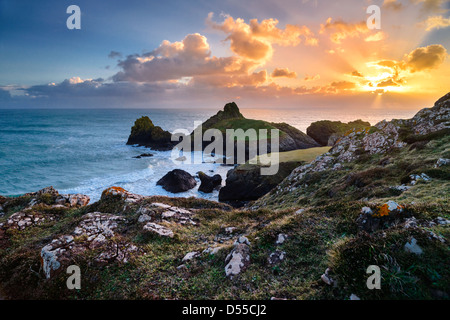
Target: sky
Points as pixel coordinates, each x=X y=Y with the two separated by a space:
x=205 y=53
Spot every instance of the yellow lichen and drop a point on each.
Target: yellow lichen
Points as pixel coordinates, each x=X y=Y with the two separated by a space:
x=110 y=190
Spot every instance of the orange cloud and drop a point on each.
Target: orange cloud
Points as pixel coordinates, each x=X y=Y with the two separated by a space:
x=376 y=37
x=341 y=30
x=254 y=40
x=312 y=78
x=426 y=58
x=436 y=22
x=283 y=72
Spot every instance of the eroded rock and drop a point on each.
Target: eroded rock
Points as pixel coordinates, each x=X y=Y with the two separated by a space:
x=238 y=260
x=158 y=229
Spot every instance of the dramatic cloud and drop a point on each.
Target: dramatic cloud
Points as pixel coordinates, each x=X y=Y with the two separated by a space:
x=387 y=83
x=436 y=22
x=255 y=40
x=283 y=72
x=426 y=58
x=341 y=30
x=173 y=61
x=423 y=58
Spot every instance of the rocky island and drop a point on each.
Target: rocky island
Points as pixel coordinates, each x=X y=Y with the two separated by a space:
x=378 y=196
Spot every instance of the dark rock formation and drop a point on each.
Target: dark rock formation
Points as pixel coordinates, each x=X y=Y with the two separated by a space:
x=145 y=133
x=293 y=139
x=321 y=131
x=247 y=183
x=144 y=155
x=230 y=118
x=177 y=181
x=209 y=183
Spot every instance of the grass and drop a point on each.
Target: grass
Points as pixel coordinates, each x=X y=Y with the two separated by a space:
x=325 y=235
x=300 y=156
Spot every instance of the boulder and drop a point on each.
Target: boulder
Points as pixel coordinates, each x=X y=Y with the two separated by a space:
x=177 y=181
x=190 y=256
x=238 y=260
x=144 y=155
x=245 y=183
x=122 y=193
x=383 y=216
x=208 y=183
x=158 y=229
x=145 y=133
x=413 y=247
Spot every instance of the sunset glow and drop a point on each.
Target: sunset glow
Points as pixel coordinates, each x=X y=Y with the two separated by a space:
x=286 y=53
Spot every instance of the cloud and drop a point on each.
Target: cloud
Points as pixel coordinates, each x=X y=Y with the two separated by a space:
x=376 y=37
x=255 y=40
x=434 y=6
x=341 y=30
x=312 y=78
x=187 y=58
x=254 y=79
x=436 y=22
x=392 y=5
x=357 y=74
x=343 y=85
x=283 y=72
x=114 y=54
x=424 y=58
x=387 y=83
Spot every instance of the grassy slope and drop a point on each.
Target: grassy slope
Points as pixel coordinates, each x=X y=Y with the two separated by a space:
x=324 y=235
x=243 y=124
x=303 y=155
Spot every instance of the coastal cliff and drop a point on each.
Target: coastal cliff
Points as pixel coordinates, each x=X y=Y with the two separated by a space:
x=378 y=197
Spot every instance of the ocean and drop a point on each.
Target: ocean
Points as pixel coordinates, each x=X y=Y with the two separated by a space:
x=84 y=151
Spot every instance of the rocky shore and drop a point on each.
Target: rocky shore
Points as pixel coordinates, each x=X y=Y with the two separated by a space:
x=378 y=197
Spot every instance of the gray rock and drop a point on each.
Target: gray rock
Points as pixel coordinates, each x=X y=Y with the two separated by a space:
x=242 y=240
x=158 y=229
x=354 y=297
x=413 y=247
x=144 y=218
x=276 y=257
x=281 y=238
x=238 y=260
x=191 y=255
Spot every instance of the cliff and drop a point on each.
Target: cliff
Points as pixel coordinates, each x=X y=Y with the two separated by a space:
x=378 y=197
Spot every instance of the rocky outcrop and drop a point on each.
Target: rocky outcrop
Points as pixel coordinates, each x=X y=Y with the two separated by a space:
x=383 y=138
x=96 y=233
x=145 y=133
x=208 y=183
x=177 y=181
x=48 y=199
x=290 y=138
x=143 y=155
x=158 y=230
x=293 y=139
x=238 y=259
x=245 y=183
x=326 y=132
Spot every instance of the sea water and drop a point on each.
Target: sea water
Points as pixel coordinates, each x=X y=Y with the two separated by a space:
x=84 y=150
